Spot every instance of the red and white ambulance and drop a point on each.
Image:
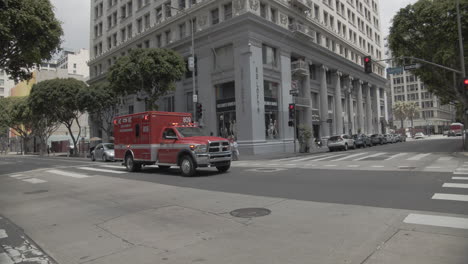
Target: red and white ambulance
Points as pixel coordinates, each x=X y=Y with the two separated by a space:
x=167 y=139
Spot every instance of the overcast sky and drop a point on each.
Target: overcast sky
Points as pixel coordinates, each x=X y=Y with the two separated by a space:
x=74 y=15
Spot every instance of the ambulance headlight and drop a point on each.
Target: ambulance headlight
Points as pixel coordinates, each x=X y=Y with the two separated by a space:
x=200 y=148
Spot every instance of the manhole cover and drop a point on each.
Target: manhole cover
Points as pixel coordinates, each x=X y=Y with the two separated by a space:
x=250 y=212
x=35 y=192
x=266 y=169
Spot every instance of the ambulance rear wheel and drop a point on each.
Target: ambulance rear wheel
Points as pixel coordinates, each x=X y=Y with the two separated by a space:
x=187 y=166
x=131 y=165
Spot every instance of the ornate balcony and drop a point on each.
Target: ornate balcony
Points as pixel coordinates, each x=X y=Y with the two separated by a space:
x=305 y=5
x=299 y=68
x=302 y=31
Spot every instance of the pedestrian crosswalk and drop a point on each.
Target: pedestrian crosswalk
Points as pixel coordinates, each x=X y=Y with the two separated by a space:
x=438 y=162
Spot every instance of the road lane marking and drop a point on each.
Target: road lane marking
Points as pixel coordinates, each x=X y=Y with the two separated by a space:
x=395 y=156
x=354 y=166
x=437 y=220
x=444 y=158
x=101 y=170
x=450 y=197
x=433 y=167
x=3 y=234
x=332 y=156
x=460 y=178
x=68 y=174
x=460 y=172
x=377 y=166
x=113 y=166
x=419 y=156
x=455 y=185
x=34 y=180
x=370 y=156
x=462 y=169
x=331 y=165
x=350 y=156
x=16 y=175
x=311 y=157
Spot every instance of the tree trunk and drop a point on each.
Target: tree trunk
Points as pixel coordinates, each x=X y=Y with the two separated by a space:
x=401 y=119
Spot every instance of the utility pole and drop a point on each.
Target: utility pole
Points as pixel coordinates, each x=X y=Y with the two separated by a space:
x=463 y=71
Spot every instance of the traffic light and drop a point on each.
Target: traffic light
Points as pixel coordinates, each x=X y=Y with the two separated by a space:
x=465 y=83
x=292 y=112
x=367 y=64
x=199 y=110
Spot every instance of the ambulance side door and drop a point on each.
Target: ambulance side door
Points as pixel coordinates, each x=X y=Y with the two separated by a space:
x=165 y=152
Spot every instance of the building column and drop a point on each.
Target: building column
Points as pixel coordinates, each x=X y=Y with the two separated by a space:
x=360 y=108
x=324 y=128
x=385 y=108
x=308 y=96
x=286 y=132
x=338 y=107
x=369 y=129
x=377 y=103
x=351 y=125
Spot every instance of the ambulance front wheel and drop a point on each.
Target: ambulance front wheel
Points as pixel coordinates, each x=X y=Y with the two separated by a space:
x=223 y=168
x=187 y=166
x=131 y=165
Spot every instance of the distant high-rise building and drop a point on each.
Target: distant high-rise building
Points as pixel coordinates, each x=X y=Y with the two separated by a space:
x=5 y=84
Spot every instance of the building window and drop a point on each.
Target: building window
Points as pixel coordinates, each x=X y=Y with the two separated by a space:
x=139 y=25
x=130 y=109
x=313 y=72
x=129 y=31
x=167 y=10
x=274 y=15
x=226 y=109
x=158 y=41
x=181 y=4
x=189 y=102
x=263 y=9
x=271 y=90
x=228 y=11
x=269 y=55
x=182 y=30
x=215 y=16
x=147 y=44
x=158 y=14
x=147 y=20
x=169 y=105
x=168 y=37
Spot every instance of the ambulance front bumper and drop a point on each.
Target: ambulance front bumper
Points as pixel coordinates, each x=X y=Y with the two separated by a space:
x=213 y=159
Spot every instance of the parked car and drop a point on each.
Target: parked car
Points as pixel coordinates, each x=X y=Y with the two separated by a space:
x=343 y=142
x=362 y=140
x=397 y=138
x=103 y=151
x=419 y=135
x=388 y=138
x=403 y=137
x=377 y=139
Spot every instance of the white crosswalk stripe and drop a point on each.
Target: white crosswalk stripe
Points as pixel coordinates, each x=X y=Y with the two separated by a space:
x=68 y=174
x=310 y=158
x=437 y=220
x=450 y=197
x=3 y=234
x=419 y=156
x=101 y=170
x=455 y=185
x=328 y=157
x=396 y=156
x=460 y=178
x=351 y=156
x=444 y=158
x=34 y=180
x=371 y=156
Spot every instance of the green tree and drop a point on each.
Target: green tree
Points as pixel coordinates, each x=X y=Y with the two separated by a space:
x=412 y=111
x=148 y=73
x=16 y=114
x=427 y=29
x=29 y=34
x=399 y=111
x=61 y=100
x=102 y=105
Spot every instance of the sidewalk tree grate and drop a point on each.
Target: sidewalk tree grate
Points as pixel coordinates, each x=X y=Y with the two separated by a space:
x=250 y=212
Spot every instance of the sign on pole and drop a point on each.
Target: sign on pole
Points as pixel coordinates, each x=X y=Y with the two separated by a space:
x=191 y=63
x=395 y=70
x=412 y=66
x=195 y=98
x=294 y=92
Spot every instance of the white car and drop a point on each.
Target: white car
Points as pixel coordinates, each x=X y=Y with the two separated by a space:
x=419 y=135
x=343 y=142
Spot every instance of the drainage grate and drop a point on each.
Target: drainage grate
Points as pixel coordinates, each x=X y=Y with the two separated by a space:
x=250 y=212
x=36 y=192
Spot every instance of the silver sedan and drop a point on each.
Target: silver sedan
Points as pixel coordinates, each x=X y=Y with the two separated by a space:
x=103 y=151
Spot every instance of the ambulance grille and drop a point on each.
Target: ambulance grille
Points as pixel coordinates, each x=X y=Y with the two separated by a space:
x=219 y=146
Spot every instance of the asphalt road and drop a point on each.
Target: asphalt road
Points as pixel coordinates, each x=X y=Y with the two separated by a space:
x=405 y=189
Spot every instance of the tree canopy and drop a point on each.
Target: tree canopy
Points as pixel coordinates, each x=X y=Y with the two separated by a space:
x=149 y=73
x=428 y=30
x=61 y=100
x=16 y=114
x=29 y=34
x=102 y=104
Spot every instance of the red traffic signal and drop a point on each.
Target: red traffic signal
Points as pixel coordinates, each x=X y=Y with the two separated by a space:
x=291 y=106
x=292 y=112
x=367 y=64
x=465 y=83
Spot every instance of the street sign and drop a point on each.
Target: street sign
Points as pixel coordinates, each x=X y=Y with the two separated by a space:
x=191 y=63
x=395 y=70
x=195 y=98
x=412 y=66
x=294 y=92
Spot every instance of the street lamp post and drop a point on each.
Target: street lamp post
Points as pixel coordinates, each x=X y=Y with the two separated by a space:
x=192 y=60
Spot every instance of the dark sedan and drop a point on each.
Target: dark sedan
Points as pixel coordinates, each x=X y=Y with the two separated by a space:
x=362 y=140
x=377 y=139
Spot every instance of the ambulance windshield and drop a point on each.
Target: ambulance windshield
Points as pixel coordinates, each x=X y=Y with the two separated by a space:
x=190 y=131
